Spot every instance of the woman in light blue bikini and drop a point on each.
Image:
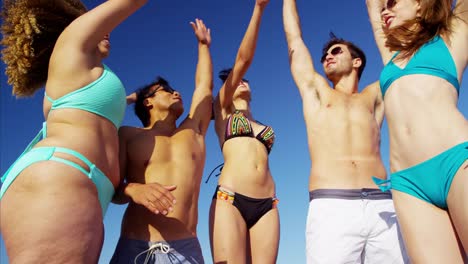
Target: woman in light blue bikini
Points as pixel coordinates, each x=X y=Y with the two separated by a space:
x=54 y=196
x=424 y=46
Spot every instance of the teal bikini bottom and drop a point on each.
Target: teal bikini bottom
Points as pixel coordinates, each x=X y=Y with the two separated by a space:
x=430 y=180
x=31 y=155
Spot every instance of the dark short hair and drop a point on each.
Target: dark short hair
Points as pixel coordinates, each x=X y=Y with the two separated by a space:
x=142 y=93
x=224 y=73
x=355 y=51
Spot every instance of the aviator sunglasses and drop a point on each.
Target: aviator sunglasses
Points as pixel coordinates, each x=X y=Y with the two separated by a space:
x=335 y=51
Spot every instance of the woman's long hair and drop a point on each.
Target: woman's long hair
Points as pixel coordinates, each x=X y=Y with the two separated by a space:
x=435 y=17
x=30 y=29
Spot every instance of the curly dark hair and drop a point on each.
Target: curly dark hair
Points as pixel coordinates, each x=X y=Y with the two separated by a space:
x=30 y=29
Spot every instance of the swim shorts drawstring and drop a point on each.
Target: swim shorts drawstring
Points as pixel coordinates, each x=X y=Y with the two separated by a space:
x=158 y=247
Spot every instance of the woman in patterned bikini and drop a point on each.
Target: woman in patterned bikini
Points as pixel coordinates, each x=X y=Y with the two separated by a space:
x=244 y=220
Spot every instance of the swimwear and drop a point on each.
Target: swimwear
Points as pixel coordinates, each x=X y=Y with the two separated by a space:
x=183 y=251
x=430 y=180
x=105 y=97
x=433 y=58
x=251 y=209
x=353 y=226
x=238 y=125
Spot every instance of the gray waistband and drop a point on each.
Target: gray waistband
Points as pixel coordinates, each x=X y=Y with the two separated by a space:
x=350 y=194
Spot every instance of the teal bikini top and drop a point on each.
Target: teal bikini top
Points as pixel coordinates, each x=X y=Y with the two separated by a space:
x=433 y=58
x=104 y=96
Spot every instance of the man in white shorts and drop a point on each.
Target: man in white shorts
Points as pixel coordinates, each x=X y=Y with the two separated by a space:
x=350 y=220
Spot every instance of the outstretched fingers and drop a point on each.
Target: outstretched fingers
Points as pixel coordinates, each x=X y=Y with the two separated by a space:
x=202 y=33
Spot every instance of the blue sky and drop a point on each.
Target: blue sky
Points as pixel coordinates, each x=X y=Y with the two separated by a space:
x=158 y=40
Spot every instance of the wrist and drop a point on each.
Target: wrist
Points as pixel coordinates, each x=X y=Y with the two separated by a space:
x=260 y=6
x=203 y=44
x=128 y=189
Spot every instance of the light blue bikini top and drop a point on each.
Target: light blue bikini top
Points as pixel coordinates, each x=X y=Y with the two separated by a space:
x=433 y=58
x=104 y=96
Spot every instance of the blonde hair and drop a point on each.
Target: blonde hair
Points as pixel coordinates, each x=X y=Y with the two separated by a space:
x=435 y=19
x=30 y=29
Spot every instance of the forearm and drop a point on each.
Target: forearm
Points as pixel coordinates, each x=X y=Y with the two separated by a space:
x=204 y=72
x=249 y=42
x=291 y=21
x=89 y=29
x=300 y=60
x=461 y=11
x=374 y=8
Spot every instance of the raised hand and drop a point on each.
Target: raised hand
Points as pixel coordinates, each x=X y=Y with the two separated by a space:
x=262 y=3
x=201 y=32
x=155 y=197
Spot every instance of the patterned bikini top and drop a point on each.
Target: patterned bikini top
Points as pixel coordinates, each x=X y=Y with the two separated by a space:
x=238 y=125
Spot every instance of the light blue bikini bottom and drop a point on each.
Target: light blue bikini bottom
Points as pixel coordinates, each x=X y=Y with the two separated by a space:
x=31 y=155
x=430 y=180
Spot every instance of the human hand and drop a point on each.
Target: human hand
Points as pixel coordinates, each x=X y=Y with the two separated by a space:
x=155 y=197
x=201 y=32
x=262 y=3
x=131 y=98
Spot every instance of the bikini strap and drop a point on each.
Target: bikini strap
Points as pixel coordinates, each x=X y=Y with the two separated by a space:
x=384 y=185
x=48 y=98
x=74 y=164
x=394 y=55
x=40 y=135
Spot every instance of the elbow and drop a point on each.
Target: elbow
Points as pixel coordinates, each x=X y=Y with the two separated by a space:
x=245 y=56
x=243 y=61
x=289 y=36
x=293 y=38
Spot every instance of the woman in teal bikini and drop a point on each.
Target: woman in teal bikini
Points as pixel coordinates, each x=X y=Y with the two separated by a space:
x=243 y=208
x=424 y=45
x=53 y=198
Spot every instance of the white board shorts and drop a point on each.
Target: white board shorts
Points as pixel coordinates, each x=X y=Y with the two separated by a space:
x=353 y=226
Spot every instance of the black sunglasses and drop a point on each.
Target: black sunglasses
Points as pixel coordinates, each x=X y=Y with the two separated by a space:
x=335 y=51
x=161 y=87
